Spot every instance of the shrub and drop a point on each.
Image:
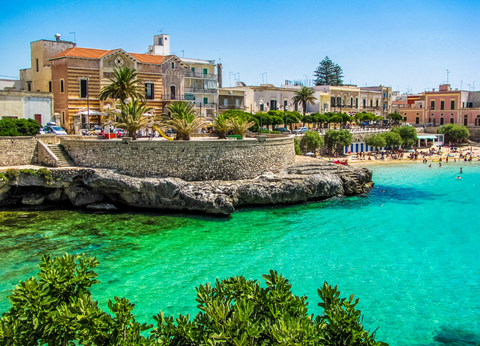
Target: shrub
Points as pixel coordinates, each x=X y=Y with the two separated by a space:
x=57 y=308
x=298 y=151
x=19 y=127
x=11 y=174
x=311 y=140
x=454 y=132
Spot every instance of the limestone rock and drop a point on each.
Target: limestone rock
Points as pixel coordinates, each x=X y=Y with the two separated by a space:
x=102 y=207
x=55 y=195
x=33 y=199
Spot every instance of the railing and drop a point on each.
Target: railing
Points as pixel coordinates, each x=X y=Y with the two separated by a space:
x=200 y=90
x=358 y=130
x=191 y=74
x=231 y=107
x=204 y=105
x=178 y=97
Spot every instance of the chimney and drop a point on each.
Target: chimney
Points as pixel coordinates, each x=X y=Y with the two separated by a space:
x=57 y=37
x=219 y=75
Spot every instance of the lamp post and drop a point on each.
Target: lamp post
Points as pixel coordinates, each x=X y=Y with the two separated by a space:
x=285 y=114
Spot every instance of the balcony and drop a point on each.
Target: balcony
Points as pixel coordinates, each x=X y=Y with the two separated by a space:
x=204 y=105
x=191 y=74
x=200 y=91
x=231 y=107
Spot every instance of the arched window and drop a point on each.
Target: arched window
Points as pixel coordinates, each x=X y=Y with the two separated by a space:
x=262 y=105
x=173 y=66
x=173 y=92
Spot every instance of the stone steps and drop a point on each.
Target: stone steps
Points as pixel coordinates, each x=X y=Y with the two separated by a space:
x=64 y=159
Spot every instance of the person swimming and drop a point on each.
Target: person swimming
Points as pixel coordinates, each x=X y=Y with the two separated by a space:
x=458 y=178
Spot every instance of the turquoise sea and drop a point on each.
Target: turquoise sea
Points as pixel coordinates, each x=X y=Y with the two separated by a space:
x=410 y=250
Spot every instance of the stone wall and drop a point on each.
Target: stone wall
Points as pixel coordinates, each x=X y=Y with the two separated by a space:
x=16 y=151
x=54 y=139
x=46 y=157
x=188 y=160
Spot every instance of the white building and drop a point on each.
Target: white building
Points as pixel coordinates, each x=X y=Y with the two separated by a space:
x=26 y=105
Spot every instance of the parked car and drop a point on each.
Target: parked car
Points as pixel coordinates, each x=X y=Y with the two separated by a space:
x=300 y=130
x=54 y=129
x=281 y=130
x=97 y=130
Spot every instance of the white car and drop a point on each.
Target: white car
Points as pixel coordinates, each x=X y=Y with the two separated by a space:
x=300 y=130
x=54 y=130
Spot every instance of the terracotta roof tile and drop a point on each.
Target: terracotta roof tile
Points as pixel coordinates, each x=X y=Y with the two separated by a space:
x=90 y=53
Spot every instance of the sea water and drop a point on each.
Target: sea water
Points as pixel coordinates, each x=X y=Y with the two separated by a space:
x=409 y=250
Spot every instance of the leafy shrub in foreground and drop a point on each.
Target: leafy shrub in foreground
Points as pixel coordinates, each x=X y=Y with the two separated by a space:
x=58 y=309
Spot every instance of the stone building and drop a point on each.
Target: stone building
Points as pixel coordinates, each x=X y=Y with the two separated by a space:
x=76 y=76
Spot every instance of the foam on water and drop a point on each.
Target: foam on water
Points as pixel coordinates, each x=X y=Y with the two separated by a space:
x=409 y=250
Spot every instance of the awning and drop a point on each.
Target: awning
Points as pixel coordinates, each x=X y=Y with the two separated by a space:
x=426 y=137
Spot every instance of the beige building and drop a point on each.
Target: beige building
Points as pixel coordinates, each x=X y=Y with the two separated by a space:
x=231 y=98
x=18 y=104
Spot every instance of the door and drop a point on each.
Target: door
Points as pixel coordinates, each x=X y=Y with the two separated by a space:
x=361 y=147
x=465 y=120
x=38 y=118
x=356 y=148
x=173 y=92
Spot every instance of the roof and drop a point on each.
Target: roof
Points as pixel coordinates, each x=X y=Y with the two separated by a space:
x=90 y=53
x=426 y=136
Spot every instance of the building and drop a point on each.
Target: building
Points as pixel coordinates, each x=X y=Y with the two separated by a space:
x=26 y=105
x=330 y=98
x=266 y=97
x=231 y=98
x=76 y=76
x=9 y=84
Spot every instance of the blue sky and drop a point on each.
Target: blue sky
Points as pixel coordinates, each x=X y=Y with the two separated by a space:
x=405 y=44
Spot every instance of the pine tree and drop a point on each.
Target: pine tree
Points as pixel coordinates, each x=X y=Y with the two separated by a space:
x=328 y=73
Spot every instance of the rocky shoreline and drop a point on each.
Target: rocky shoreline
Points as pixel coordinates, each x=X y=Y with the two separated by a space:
x=103 y=189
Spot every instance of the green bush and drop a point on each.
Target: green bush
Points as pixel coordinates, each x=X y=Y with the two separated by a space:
x=298 y=151
x=454 y=132
x=311 y=141
x=11 y=174
x=19 y=127
x=58 y=309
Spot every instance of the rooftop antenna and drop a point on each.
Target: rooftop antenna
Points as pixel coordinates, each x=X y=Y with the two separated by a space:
x=468 y=87
x=474 y=85
x=238 y=76
x=161 y=31
x=219 y=60
x=74 y=36
x=230 y=78
x=447 y=75
x=183 y=53
x=262 y=74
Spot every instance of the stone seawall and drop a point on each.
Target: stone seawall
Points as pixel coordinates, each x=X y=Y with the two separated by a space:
x=16 y=151
x=187 y=160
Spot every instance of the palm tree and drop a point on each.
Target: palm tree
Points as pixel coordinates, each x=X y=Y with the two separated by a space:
x=131 y=117
x=124 y=85
x=241 y=124
x=304 y=96
x=222 y=124
x=183 y=119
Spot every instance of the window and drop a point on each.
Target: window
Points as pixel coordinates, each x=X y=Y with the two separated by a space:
x=469 y=104
x=285 y=102
x=83 y=88
x=371 y=103
x=261 y=105
x=417 y=120
x=173 y=66
x=432 y=105
x=63 y=117
x=205 y=100
x=193 y=69
x=50 y=86
x=149 y=91
x=62 y=89
x=442 y=104
x=441 y=121
x=383 y=94
x=452 y=121
x=339 y=101
x=225 y=102
x=160 y=43
x=351 y=101
x=356 y=102
x=364 y=103
x=273 y=105
x=421 y=106
x=29 y=86
x=404 y=118
x=332 y=101
x=36 y=62
x=205 y=71
x=237 y=102
x=377 y=103
x=173 y=92
x=452 y=104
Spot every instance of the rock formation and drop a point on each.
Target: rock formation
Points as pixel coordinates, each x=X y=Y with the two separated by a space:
x=94 y=187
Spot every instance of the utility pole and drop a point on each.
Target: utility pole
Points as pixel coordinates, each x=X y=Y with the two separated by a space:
x=474 y=85
x=74 y=36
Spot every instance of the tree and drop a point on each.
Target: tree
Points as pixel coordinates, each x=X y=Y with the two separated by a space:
x=131 y=117
x=377 y=141
x=311 y=140
x=392 y=139
x=304 y=96
x=183 y=119
x=336 y=119
x=221 y=124
x=335 y=139
x=408 y=134
x=298 y=151
x=58 y=309
x=241 y=124
x=124 y=85
x=395 y=117
x=454 y=132
x=328 y=73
